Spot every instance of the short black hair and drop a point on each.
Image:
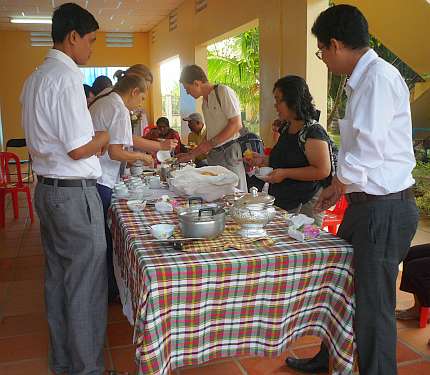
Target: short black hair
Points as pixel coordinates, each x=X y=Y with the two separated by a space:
x=88 y=90
x=192 y=73
x=295 y=93
x=163 y=120
x=344 y=23
x=101 y=83
x=69 y=17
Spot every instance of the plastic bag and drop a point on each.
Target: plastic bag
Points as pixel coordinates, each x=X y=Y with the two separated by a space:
x=209 y=183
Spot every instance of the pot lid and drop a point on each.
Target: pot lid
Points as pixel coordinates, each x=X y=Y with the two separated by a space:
x=254 y=197
x=202 y=214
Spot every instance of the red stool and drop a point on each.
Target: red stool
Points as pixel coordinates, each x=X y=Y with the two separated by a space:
x=424 y=316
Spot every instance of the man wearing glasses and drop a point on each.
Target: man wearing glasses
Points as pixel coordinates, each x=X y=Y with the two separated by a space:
x=374 y=171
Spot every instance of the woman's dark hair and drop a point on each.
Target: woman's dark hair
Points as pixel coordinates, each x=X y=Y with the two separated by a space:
x=101 y=83
x=69 y=17
x=88 y=90
x=163 y=120
x=344 y=23
x=295 y=93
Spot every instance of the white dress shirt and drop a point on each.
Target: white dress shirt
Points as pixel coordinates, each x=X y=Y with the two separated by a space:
x=376 y=154
x=216 y=115
x=56 y=119
x=109 y=113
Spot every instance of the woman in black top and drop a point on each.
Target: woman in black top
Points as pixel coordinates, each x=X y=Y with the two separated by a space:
x=301 y=159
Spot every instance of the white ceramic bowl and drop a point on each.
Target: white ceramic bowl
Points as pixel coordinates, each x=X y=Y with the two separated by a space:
x=163 y=155
x=264 y=171
x=162 y=231
x=136 y=205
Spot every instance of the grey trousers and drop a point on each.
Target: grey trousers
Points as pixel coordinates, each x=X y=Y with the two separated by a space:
x=380 y=233
x=73 y=238
x=230 y=158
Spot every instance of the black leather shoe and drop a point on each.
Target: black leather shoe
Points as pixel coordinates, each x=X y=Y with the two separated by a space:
x=308 y=365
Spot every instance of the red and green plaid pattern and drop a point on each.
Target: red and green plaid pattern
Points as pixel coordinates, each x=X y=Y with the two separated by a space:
x=190 y=308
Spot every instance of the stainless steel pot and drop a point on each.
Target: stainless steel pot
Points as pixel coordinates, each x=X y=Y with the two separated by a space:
x=202 y=222
x=252 y=212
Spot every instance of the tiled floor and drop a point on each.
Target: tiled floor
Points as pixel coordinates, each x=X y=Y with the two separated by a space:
x=24 y=340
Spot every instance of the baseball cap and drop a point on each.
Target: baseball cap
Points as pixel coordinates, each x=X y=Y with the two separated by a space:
x=194 y=117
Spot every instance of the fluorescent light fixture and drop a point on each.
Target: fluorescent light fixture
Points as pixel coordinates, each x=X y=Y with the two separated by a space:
x=31 y=20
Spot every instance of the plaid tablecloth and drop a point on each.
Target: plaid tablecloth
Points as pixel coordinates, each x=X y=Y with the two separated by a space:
x=190 y=308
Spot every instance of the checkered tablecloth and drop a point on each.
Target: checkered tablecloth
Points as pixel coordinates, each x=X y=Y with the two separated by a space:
x=191 y=308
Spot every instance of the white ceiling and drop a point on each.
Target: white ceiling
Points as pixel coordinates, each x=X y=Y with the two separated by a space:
x=112 y=15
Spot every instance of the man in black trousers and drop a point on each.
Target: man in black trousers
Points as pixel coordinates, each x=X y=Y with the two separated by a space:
x=374 y=171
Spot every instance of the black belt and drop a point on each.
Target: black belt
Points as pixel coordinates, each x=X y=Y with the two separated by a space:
x=66 y=183
x=225 y=145
x=361 y=197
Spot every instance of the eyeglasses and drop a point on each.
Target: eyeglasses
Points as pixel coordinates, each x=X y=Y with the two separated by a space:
x=318 y=54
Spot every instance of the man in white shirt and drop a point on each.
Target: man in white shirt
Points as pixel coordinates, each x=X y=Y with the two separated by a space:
x=221 y=109
x=63 y=146
x=374 y=171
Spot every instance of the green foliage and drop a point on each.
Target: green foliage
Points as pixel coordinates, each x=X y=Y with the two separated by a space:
x=421 y=174
x=237 y=64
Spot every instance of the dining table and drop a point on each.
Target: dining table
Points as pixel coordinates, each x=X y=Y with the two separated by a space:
x=238 y=298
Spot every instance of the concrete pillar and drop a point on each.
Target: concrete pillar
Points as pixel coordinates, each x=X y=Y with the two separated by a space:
x=287 y=46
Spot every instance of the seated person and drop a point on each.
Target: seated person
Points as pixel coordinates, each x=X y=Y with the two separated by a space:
x=164 y=131
x=197 y=136
x=416 y=280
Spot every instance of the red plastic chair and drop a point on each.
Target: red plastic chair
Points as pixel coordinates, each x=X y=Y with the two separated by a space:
x=424 y=316
x=334 y=217
x=13 y=186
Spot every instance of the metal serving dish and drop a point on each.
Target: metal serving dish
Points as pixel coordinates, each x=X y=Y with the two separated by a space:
x=252 y=212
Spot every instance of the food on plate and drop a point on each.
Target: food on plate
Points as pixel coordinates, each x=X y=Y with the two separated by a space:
x=209 y=173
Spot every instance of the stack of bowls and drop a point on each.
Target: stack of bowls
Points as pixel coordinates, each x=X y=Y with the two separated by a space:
x=138 y=190
x=120 y=190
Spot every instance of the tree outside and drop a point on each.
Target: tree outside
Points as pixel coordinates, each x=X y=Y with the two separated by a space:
x=235 y=62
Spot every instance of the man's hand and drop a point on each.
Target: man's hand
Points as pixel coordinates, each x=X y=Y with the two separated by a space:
x=204 y=148
x=330 y=195
x=276 y=176
x=168 y=144
x=184 y=157
x=147 y=159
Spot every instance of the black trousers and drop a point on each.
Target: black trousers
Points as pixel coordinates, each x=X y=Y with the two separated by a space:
x=416 y=273
x=381 y=233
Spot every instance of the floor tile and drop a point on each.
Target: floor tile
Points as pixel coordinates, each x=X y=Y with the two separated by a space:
x=29 y=367
x=30 y=250
x=115 y=313
x=124 y=359
x=22 y=325
x=266 y=366
x=7 y=269
x=421 y=368
x=404 y=353
x=221 y=368
x=120 y=334
x=416 y=338
x=8 y=250
x=24 y=347
x=24 y=297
